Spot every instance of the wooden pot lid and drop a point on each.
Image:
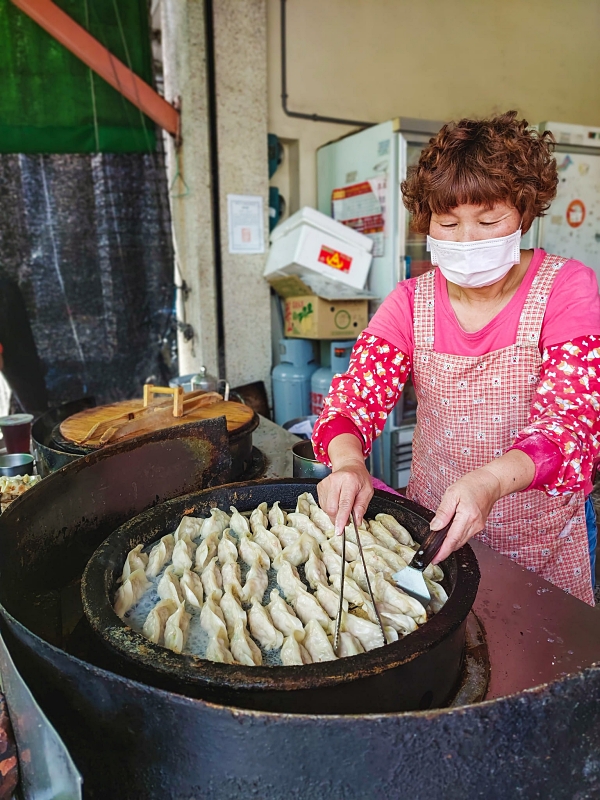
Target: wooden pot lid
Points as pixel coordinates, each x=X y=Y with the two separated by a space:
x=93 y=428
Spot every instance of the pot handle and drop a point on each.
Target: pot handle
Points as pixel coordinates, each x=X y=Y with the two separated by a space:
x=176 y=391
x=430 y=547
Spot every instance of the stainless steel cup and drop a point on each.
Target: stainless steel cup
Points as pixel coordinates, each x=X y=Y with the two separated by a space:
x=16 y=464
x=305 y=465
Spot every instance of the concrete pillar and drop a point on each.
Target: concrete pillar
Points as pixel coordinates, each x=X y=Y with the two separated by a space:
x=240 y=42
x=185 y=77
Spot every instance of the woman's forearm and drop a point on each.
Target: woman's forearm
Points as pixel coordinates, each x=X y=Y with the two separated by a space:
x=514 y=472
x=345 y=450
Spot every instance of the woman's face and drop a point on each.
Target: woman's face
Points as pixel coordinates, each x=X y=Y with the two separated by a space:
x=469 y=223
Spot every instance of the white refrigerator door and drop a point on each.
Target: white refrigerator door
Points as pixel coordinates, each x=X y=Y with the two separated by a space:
x=365 y=156
x=571 y=226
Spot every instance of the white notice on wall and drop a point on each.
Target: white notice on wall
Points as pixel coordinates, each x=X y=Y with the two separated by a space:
x=246 y=223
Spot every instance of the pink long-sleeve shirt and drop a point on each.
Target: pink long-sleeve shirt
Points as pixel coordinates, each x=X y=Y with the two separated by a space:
x=563 y=435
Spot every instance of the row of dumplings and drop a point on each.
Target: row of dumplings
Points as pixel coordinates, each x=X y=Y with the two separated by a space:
x=203 y=575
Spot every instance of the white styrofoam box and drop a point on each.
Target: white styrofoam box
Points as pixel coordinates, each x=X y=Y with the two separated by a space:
x=310 y=240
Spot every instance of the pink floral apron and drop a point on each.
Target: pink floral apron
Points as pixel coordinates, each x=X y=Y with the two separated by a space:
x=470 y=409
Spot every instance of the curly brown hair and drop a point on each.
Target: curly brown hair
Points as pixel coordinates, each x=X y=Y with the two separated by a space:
x=483 y=162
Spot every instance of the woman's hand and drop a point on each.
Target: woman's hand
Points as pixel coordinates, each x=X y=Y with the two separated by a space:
x=471 y=498
x=349 y=485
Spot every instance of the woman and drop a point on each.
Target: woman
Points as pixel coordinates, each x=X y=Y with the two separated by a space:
x=504 y=349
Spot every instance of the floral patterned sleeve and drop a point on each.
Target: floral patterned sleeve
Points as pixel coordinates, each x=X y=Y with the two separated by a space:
x=566 y=411
x=360 y=400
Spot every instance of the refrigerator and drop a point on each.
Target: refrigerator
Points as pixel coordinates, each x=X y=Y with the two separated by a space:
x=358 y=183
x=571 y=227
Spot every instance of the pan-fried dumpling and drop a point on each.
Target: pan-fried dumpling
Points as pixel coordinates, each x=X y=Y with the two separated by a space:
x=304 y=502
x=438 y=596
x=232 y=611
x=284 y=618
x=383 y=536
x=365 y=537
x=289 y=580
x=159 y=555
x=243 y=648
x=317 y=643
x=168 y=586
x=259 y=517
x=352 y=552
x=434 y=573
x=349 y=645
x=329 y=600
x=276 y=515
x=218 y=650
x=352 y=591
x=256 y=583
x=308 y=608
x=252 y=553
x=231 y=576
x=267 y=540
x=130 y=592
x=176 y=629
x=206 y=551
x=298 y=552
x=191 y=588
x=216 y=523
x=154 y=626
x=305 y=525
x=190 y=525
x=135 y=560
x=294 y=654
x=212 y=620
x=315 y=571
x=375 y=562
x=384 y=592
x=392 y=617
x=212 y=580
x=182 y=554
x=286 y=534
x=238 y=523
x=227 y=549
x=393 y=560
x=321 y=520
x=398 y=531
x=367 y=633
x=331 y=559
x=262 y=628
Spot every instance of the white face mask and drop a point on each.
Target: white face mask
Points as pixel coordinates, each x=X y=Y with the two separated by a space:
x=476 y=264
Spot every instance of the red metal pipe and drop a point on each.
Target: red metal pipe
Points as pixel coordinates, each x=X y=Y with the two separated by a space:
x=76 y=39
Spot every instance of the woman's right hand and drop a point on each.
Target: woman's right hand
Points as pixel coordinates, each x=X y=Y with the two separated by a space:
x=349 y=486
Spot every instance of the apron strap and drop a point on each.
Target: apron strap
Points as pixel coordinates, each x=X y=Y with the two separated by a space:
x=532 y=315
x=424 y=311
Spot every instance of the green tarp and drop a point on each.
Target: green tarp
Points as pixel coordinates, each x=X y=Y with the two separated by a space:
x=50 y=102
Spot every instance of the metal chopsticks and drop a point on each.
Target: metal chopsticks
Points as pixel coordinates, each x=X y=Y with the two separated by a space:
x=336 y=639
x=364 y=563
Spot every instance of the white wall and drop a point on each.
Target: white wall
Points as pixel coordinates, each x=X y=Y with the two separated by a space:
x=432 y=59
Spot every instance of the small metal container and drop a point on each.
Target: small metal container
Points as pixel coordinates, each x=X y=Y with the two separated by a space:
x=305 y=465
x=16 y=464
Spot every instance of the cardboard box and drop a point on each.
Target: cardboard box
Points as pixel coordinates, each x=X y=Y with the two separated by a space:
x=312 y=317
x=312 y=241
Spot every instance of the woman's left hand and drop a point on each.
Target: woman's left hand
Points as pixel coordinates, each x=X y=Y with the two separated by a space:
x=471 y=498
x=470 y=501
